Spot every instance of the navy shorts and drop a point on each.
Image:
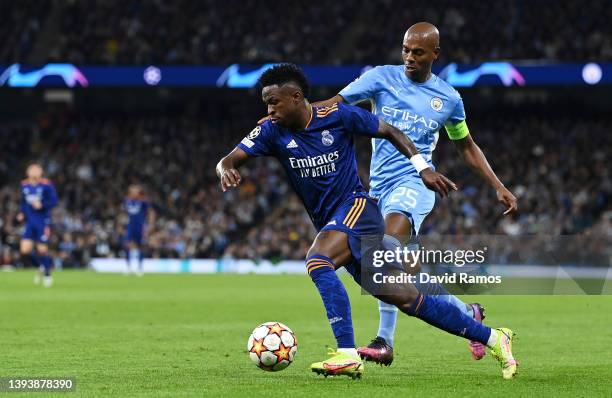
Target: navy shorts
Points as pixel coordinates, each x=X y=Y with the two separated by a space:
x=134 y=235
x=361 y=220
x=37 y=231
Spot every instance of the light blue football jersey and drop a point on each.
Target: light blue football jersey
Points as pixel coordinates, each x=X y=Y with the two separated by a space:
x=417 y=109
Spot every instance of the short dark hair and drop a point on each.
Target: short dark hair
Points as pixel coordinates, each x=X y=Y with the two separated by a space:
x=285 y=73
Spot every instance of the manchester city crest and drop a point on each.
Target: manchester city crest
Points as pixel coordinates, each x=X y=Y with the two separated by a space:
x=436 y=104
x=326 y=138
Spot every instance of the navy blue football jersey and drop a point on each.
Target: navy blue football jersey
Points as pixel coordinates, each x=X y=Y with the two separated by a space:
x=137 y=212
x=319 y=160
x=44 y=192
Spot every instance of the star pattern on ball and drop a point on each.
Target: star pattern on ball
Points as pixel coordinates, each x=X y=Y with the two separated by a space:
x=276 y=328
x=258 y=347
x=282 y=353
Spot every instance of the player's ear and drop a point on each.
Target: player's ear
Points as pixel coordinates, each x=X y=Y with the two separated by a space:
x=297 y=96
x=436 y=52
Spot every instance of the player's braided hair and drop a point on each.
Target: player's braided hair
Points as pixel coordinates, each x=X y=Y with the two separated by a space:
x=285 y=73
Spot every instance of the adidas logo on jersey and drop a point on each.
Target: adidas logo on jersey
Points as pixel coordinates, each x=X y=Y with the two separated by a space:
x=292 y=144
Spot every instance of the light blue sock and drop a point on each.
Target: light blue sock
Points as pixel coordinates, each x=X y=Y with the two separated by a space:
x=387 y=322
x=466 y=309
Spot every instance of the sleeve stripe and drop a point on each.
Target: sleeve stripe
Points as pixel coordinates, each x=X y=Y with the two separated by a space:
x=457 y=131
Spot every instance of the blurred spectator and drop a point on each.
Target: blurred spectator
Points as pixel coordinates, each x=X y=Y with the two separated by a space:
x=22 y=22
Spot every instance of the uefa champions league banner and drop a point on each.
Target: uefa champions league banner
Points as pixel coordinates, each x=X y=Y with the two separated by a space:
x=503 y=74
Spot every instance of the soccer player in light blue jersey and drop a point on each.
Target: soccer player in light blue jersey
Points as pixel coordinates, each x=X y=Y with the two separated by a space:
x=419 y=103
x=314 y=145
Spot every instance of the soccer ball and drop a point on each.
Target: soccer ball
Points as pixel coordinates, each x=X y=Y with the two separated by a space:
x=272 y=346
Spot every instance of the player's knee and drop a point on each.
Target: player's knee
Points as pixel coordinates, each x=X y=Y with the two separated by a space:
x=42 y=250
x=25 y=248
x=317 y=264
x=398 y=225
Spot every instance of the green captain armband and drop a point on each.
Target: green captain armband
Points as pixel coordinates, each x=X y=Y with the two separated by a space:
x=457 y=131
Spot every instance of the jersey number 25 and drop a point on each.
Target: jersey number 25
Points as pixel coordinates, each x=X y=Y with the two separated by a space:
x=406 y=197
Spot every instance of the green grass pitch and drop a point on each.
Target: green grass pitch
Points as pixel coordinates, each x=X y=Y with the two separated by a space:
x=185 y=335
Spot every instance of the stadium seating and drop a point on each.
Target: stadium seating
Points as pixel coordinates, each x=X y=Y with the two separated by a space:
x=325 y=32
x=17 y=38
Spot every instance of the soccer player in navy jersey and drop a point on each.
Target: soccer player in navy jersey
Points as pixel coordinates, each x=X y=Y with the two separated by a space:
x=38 y=198
x=139 y=215
x=315 y=147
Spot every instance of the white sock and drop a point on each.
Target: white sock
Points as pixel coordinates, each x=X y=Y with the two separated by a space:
x=492 y=338
x=350 y=351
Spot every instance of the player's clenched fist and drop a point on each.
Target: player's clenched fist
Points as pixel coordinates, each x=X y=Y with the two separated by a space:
x=229 y=178
x=437 y=182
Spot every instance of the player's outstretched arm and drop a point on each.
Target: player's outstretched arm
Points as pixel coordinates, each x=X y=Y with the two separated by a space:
x=365 y=104
x=432 y=179
x=227 y=168
x=471 y=153
x=327 y=102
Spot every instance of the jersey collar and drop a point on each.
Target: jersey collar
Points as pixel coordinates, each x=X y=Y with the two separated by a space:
x=311 y=117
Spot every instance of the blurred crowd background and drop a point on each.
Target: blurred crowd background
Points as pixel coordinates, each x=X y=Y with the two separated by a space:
x=329 y=32
x=555 y=159
x=559 y=173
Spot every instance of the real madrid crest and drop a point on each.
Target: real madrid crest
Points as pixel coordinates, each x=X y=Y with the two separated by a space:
x=254 y=133
x=436 y=104
x=326 y=138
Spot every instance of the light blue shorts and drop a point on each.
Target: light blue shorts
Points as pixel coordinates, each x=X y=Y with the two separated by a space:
x=409 y=197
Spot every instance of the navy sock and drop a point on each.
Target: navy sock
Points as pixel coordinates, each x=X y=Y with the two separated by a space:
x=322 y=271
x=438 y=312
x=45 y=262
x=438 y=290
x=428 y=288
x=30 y=260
